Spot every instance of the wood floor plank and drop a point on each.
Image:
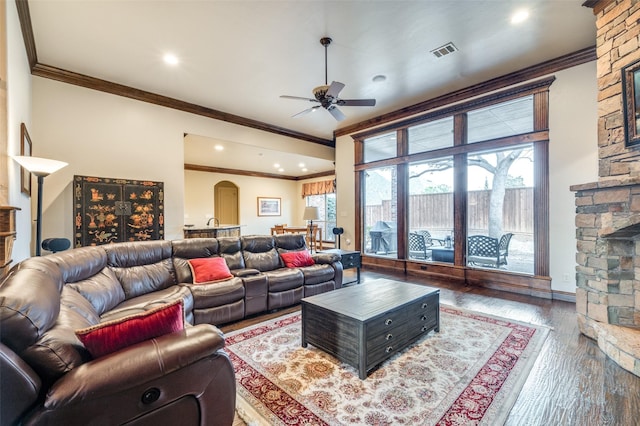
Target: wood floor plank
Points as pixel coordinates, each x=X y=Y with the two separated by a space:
x=572 y=382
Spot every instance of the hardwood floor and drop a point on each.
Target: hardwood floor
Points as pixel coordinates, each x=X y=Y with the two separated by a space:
x=572 y=381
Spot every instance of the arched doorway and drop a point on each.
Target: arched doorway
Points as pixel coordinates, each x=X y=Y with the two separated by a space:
x=225 y=203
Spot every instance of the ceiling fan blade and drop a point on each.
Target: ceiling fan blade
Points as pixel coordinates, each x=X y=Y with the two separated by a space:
x=337 y=114
x=334 y=89
x=298 y=98
x=357 y=102
x=305 y=112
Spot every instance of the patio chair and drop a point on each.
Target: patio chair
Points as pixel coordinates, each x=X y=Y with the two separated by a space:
x=483 y=250
x=418 y=246
x=429 y=240
x=503 y=247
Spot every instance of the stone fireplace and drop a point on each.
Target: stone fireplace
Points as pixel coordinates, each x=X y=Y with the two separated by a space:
x=608 y=211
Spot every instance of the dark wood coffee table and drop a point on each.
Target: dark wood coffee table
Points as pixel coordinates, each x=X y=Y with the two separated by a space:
x=366 y=324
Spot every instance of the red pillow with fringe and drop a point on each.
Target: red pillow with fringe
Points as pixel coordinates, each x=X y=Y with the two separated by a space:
x=111 y=336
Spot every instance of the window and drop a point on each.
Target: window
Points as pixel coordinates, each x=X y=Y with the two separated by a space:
x=321 y=194
x=464 y=171
x=513 y=117
x=380 y=221
x=380 y=147
x=430 y=136
x=500 y=209
x=326 y=204
x=430 y=207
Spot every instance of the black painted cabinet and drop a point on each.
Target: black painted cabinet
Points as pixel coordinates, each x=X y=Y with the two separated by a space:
x=108 y=210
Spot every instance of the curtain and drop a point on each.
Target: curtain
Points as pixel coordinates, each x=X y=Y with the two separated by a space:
x=318 y=188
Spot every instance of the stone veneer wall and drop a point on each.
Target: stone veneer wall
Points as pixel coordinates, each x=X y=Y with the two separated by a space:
x=617 y=44
x=608 y=211
x=608 y=217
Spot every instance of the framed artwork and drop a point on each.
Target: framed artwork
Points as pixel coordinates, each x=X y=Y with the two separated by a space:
x=631 y=103
x=25 y=149
x=268 y=206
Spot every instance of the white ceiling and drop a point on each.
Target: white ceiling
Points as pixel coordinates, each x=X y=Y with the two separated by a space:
x=240 y=56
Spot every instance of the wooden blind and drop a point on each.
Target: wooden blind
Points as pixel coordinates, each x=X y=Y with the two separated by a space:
x=318 y=188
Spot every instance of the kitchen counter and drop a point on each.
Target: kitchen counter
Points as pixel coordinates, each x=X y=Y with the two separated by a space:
x=212 y=231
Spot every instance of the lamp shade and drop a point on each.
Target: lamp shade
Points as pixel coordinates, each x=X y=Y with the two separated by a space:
x=310 y=213
x=39 y=166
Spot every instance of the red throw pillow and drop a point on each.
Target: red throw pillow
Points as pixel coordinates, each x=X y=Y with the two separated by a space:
x=208 y=269
x=111 y=336
x=296 y=259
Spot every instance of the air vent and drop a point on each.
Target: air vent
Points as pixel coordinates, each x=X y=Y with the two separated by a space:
x=444 y=50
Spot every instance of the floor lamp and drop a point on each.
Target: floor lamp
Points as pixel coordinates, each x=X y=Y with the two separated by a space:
x=311 y=214
x=41 y=168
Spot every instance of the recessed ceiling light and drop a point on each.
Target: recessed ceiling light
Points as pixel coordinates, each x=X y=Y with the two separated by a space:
x=304 y=169
x=520 y=16
x=281 y=169
x=379 y=78
x=170 y=59
x=219 y=148
x=301 y=165
x=276 y=165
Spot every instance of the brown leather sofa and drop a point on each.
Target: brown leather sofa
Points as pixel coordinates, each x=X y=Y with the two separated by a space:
x=185 y=377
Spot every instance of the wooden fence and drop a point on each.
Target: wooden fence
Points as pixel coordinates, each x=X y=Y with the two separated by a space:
x=435 y=211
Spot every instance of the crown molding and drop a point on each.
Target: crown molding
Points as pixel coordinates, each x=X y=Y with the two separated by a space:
x=209 y=169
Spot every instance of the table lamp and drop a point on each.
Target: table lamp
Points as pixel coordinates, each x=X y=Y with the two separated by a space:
x=41 y=168
x=311 y=214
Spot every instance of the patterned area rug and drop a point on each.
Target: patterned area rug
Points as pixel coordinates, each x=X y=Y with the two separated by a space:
x=468 y=374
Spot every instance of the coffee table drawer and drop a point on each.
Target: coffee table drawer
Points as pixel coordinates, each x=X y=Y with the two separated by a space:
x=389 y=337
x=386 y=322
x=381 y=353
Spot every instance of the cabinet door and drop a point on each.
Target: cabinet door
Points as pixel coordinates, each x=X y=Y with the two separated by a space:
x=145 y=219
x=96 y=219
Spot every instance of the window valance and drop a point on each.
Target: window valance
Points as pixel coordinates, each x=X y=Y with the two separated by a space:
x=318 y=188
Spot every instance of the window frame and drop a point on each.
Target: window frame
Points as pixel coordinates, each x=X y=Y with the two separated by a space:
x=539 y=138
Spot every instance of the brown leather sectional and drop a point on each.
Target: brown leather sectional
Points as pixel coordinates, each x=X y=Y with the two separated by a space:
x=48 y=377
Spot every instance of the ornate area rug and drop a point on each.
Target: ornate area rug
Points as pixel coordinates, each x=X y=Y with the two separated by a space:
x=468 y=374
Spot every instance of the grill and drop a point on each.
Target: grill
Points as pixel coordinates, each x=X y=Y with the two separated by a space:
x=384 y=237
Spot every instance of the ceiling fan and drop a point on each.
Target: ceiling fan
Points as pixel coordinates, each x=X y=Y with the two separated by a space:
x=327 y=95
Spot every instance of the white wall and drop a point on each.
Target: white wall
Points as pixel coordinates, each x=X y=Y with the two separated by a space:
x=18 y=111
x=573 y=160
x=199 y=199
x=345 y=191
x=104 y=135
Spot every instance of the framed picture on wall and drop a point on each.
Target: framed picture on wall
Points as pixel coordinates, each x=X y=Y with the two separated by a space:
x=631 y=103
x=268 y=206
x=25 y=149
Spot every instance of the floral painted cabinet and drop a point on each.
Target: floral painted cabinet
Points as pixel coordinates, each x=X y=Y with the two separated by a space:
x=108 y=210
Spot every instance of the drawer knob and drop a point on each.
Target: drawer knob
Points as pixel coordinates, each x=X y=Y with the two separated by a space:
x=424 y=306
x=424 y=318
x=389 y=349
x=388 y=321
x=389 y=336
x=424 y=328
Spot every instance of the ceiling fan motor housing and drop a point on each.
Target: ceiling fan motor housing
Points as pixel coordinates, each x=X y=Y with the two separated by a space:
x=320 y=93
